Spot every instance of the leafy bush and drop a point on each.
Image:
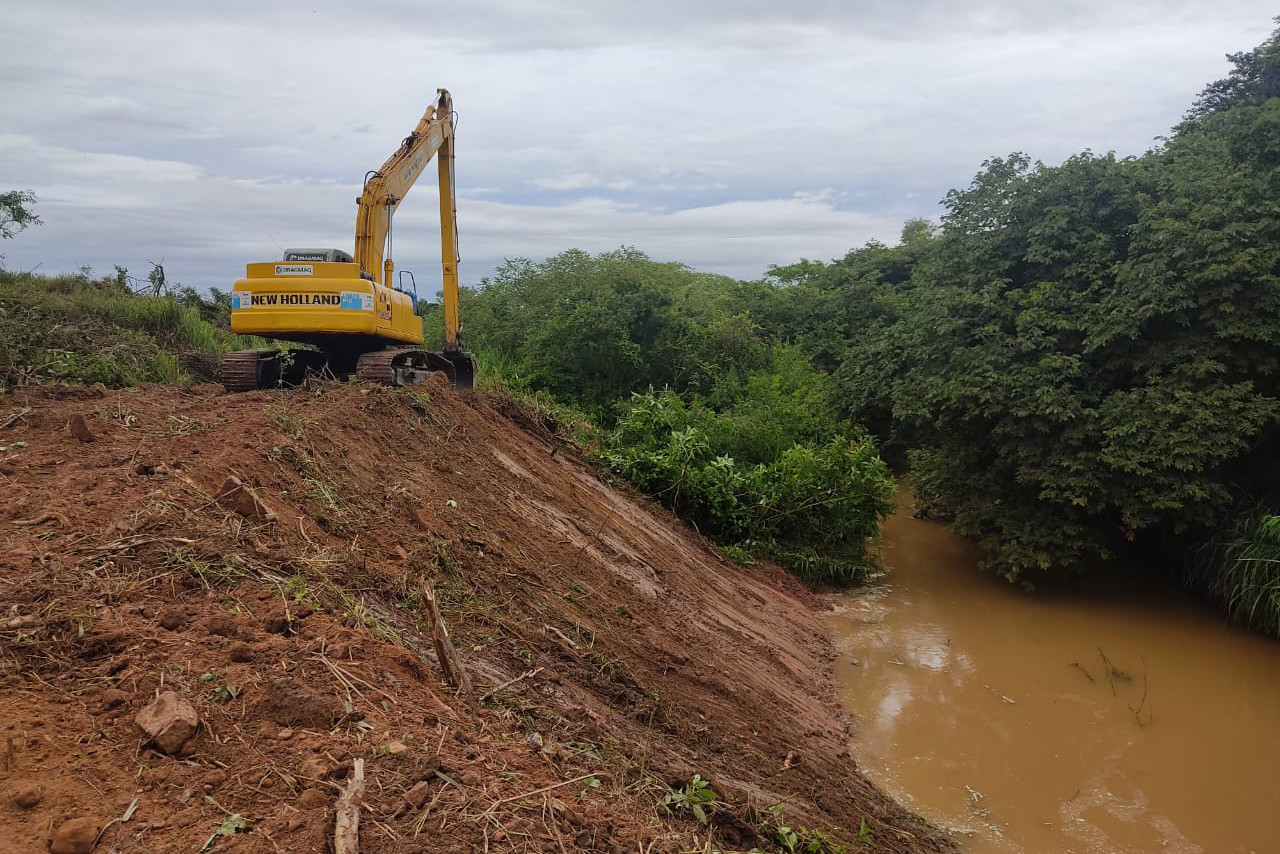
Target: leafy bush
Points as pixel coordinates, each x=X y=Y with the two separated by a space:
x=814 y=508
x=1084 y=355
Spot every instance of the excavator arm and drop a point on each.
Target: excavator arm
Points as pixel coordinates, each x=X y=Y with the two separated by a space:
x=387 y=187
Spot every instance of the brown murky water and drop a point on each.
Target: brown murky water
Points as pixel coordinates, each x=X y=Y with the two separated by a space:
x=1110 y=720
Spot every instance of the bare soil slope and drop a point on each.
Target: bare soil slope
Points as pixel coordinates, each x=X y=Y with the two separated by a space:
x=611 y=653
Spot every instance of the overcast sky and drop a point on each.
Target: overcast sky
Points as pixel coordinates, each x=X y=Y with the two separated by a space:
x=727 y=135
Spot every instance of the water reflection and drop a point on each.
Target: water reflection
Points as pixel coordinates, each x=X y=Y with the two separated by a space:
x=1093 y=721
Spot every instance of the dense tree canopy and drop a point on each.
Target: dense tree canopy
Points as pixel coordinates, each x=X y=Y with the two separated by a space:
x=1080 y=356
x=1084 y=354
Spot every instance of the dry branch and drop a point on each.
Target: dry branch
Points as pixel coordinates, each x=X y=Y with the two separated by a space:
x=486 y=695
x=26 y=621
x=38 y=520
x=448 y=656
x=14 y=416
x=346 y=823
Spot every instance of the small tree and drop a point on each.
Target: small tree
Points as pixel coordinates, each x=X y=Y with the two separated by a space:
x=15 y=213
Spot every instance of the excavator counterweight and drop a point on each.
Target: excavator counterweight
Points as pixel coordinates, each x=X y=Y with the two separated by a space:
x=345 y=305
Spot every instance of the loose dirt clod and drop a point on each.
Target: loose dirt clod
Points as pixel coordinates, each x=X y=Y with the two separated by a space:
x=241 y=653
x=76 y=424
x=222 y=625
x=172 y=618
x=289 y=703
x=77 y=836
x=28 y=797
x=241 y=499
x=113 y=698
x=170 y=721
x=313 y=799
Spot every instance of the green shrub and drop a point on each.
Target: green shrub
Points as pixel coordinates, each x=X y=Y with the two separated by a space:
x=813 y=507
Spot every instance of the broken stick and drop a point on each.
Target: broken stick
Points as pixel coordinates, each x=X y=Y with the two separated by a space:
x=346 y=824
x=449 y=663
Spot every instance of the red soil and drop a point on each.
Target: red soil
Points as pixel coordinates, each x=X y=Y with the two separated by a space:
x=303 y=642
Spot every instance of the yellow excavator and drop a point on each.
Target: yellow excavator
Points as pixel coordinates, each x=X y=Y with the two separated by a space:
x=346 y=306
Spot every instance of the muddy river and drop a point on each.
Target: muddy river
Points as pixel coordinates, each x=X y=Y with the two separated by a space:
x=1115 y=718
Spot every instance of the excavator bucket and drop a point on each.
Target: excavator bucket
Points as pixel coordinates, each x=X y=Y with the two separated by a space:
x=464 y=369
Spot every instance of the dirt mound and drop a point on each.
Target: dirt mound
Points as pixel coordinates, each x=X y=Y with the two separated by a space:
x=264 y=561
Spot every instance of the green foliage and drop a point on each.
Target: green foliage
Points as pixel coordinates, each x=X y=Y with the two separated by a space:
x=15 y=212
x=1240 y=565
x=592 y=329
x=692 y=798
x=1254 y=77
x=1085 y=352
x=1083 y=355
x=744 y=439
x=796 y=839
x=78 y=330
x=813 y=507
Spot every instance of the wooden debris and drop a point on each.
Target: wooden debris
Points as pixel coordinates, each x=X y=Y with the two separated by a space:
x=449 y=663
x=553 y=630
x=486 y=695
x=26 y=621
x=14 y=416
x=346 y=823
x=38 y=520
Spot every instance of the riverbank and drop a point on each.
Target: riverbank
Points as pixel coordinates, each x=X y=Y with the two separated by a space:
x=615 y=661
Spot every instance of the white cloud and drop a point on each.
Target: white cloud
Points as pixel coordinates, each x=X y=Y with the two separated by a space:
x=726 y=135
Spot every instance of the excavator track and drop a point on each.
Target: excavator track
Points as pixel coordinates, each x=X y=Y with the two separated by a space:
x=402 y=366
x=246 y=370
x=268 y=367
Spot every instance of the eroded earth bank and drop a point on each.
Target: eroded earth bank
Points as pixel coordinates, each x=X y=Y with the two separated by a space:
x=611 y=654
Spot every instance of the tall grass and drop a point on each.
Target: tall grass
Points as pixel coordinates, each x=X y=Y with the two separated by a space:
x=1240 y=565
x=79 y=330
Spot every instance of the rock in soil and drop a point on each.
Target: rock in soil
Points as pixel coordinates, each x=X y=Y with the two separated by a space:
x=238 y=498
x=76 y=836
x=417 y=796
x=169 y=720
